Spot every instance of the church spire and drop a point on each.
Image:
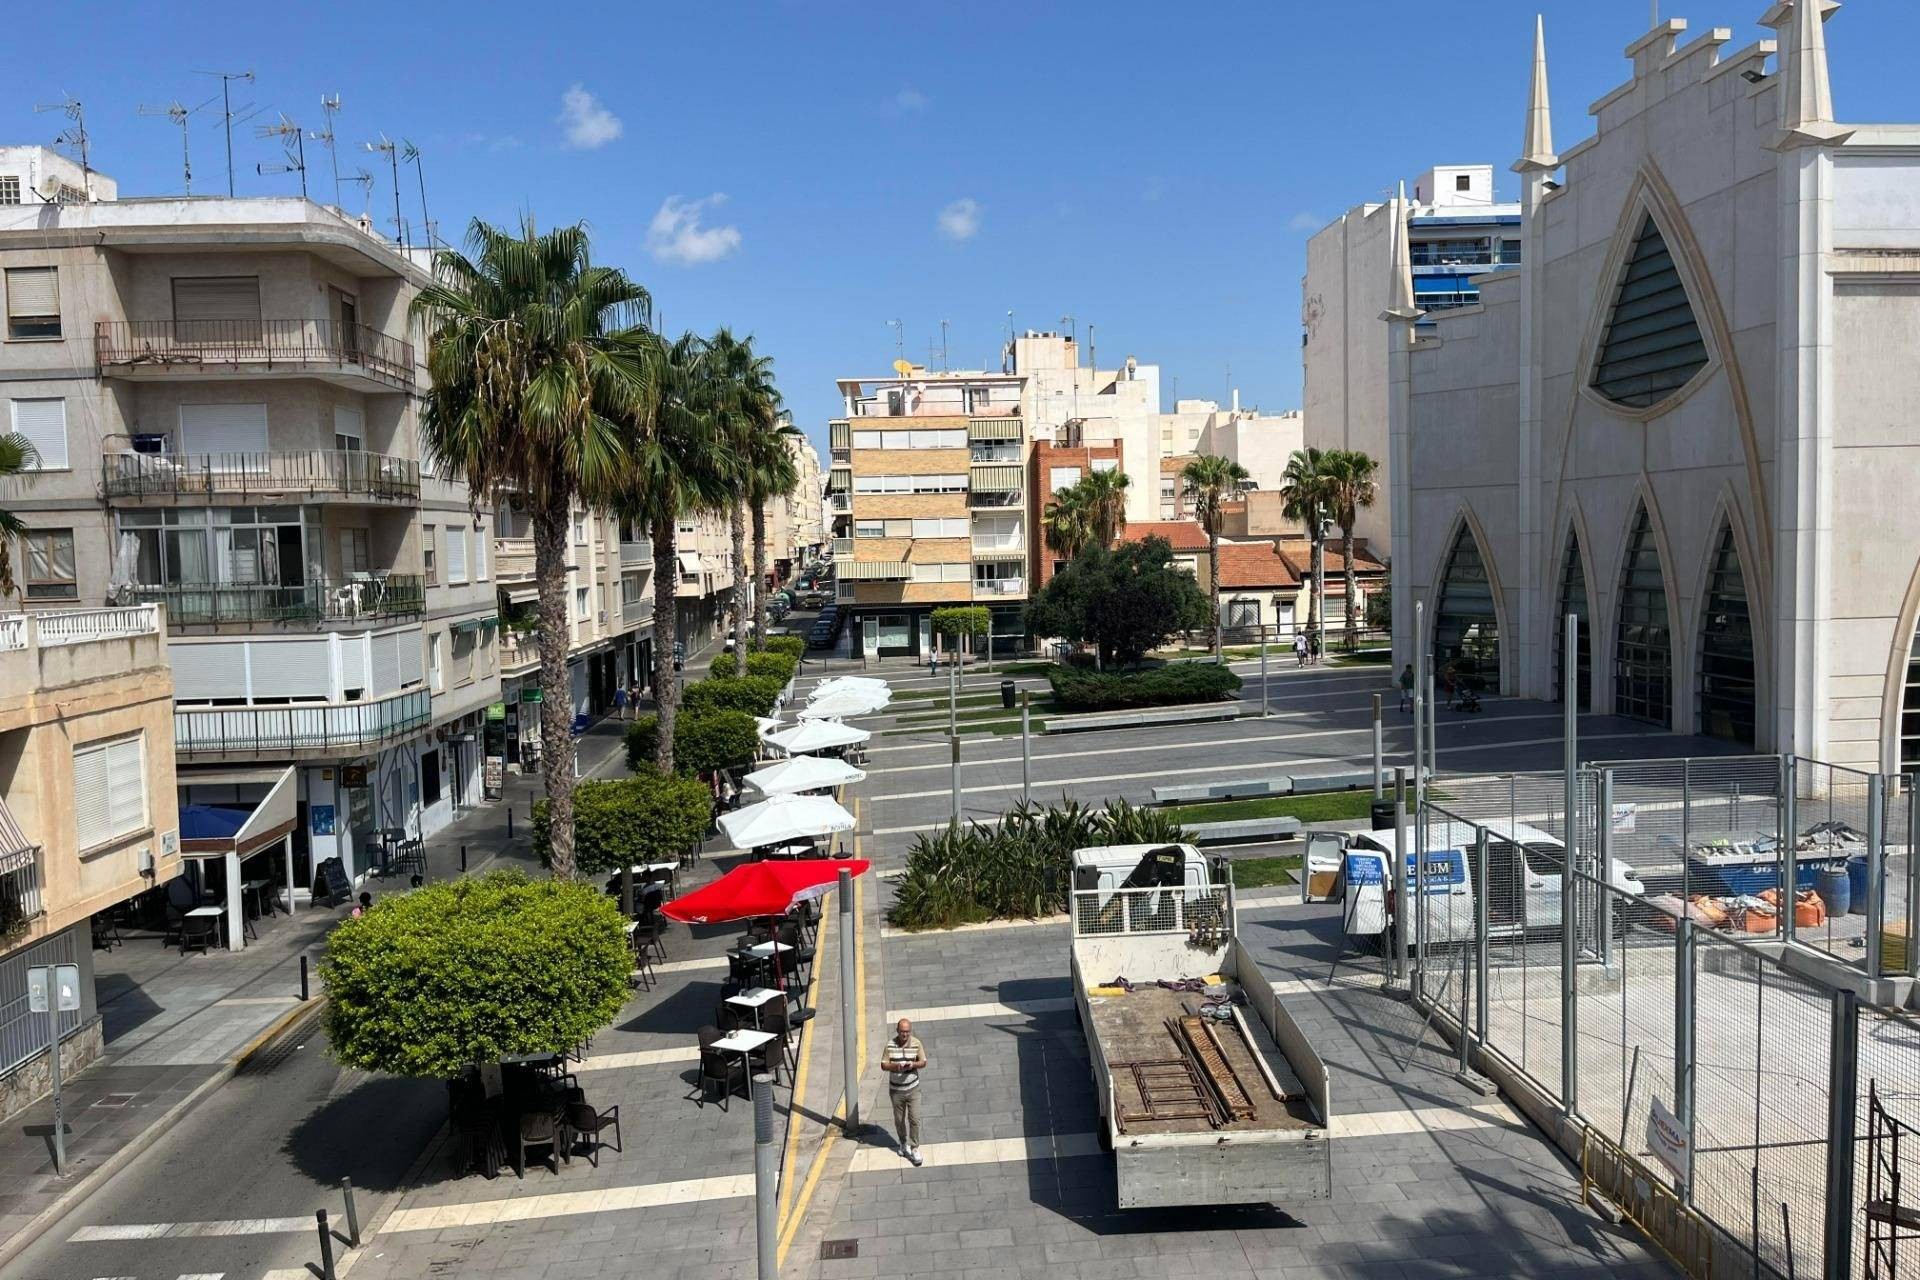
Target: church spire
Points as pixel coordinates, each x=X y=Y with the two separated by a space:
x=1536 y=152
x=1400 y=305
x=1806 y=106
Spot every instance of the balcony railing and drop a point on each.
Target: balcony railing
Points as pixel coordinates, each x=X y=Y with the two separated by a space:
x=994 y=452
x=994 y=499
x=1434 y=256
x=345 y=726
x=309 y=473
x=843 y=548
x=641 y=552
x=839 y=503
x=20 y=902
x=985 y=587
x=190 y=604
x=295 y=345
x=518 y=651
x=512 y=559
x=76 y=626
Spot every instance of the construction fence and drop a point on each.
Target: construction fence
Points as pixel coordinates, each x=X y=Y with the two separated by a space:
x=1720 y=1055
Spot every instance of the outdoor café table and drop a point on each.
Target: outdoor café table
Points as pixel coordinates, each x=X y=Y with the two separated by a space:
x=765 y=950
x=213 y=915
x=744 y=1042
x=752 y=999
x=259 y=895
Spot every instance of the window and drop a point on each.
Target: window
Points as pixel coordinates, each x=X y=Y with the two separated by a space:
x=985 y=575
x=356 y=552
x=1643 y=646
x=1573 y=599
x=582 y=604
x=50 y=571
x=480 y=553
x=866 y=439
x=1726 y=650
x=579 y=526
x=1063 y=478
x=1243 y=613
x=1462 y=182
x=33 y=302
x=631 y=592
x=870 y=529
x=940 y=527
x=10 y=189
x=349 y=429
x=217 y=309
x=456 y=554
x=44 y=424
x=910 y=484
x=941 y=572
x=430 y=554
x=1466 y=630
x=109 y=790
x=1105 y=464
x=1652 y=346
x=463 y=647
x=1189 y=565
x=430 y=778
x=435 y=675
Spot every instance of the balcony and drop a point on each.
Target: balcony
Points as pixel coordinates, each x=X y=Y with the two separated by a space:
x=995 y=477
x=519 y=652
x=317 y=727
x=997 y=588
x=262 y=477
x=513 y=559
x=873 y=570
x=19 y=631
x=994 y=429
x=843 y=548
x=20 y=879
x=352 y=355
x=994 y=451
x=839 y=504
x=205 y=604
x=999 y=549
x=995 y=500
x=839 y=436
x=1425 y=255
x=637 y=553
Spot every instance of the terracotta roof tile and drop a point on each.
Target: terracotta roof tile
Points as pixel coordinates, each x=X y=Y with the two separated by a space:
x=1255 y=564
x=1185 y=535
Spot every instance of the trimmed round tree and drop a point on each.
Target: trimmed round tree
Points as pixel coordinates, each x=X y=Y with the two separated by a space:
x=710 y=740
x=430 y=982
x=754 y=695
x=628 y=821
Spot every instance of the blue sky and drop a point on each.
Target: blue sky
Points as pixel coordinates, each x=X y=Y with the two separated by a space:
x=808 y=172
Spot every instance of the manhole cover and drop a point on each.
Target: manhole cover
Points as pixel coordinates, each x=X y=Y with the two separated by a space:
x=834 y=1250
x=115 y=1099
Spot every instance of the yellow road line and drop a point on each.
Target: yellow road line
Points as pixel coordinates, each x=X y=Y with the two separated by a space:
x=806 y=1063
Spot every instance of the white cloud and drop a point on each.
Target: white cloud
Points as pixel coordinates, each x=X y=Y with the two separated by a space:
x=588 y=124
x=960 y=220
x=911 y=99
x=1305 y=221
x=677 y=234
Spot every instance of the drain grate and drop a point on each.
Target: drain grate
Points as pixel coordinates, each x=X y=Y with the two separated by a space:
x=836 y=1250
x=115 y=1099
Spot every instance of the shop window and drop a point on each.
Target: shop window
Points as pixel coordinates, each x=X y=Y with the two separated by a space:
x=430 y=778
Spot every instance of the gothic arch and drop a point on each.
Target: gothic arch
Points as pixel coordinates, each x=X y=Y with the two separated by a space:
x=1726 y=688
x=1646 y=666
x=1572 y=532
x=1448 y=640
x=1903 y=667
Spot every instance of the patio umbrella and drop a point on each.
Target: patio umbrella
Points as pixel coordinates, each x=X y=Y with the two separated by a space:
x=840 y=684
x=784 y=818
x=766 y=725
x=803 y=773
x=761 y=889
x=816 y=735
x=848 y=702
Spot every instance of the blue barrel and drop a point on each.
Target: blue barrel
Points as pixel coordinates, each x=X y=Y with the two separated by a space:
x=1835 y=889
x=1857 y=881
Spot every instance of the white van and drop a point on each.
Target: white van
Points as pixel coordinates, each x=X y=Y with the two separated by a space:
x=1108 y=867
x=1523 y=868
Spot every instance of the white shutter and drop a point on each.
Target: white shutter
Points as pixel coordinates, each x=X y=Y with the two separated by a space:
x=33 y=291
x=409 y=644
x=91 y=811
x=223 y=428
x=126 y=786
x=456 y=554
x=217 y=298
x=480 y=554
x=348 y=422
x=44 y=422
x=353 y=662
x=386 y=664
x=292 y=668
x=208 y=670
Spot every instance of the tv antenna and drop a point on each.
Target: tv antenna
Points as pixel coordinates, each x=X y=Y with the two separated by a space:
x=387 y=148
x=296 y=154
x=944 y=367
x=899 y=344
x=178 y=114
x=226 y=110
x=74 y=135
x=330 y=106
x=411 y=154
x=365 y=180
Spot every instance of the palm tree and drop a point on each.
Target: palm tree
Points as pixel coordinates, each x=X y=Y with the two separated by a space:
x=771 y=473
x=1352 y=476
x=1106 y=499
x=1305 y=493
x=537 y=358
x=17 y=457
x=743 y=402
x=1068 y=522
x=1209 y=481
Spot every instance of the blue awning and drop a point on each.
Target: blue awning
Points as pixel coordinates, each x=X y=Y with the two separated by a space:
x=212 y=821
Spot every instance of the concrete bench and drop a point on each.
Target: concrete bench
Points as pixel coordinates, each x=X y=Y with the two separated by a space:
x=1337 y=782
x=1239 y=789
x=1144 y=717
x=1244 y=831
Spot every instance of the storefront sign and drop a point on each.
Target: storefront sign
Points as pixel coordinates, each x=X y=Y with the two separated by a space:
x=497 y=711
x=1667 y=1139
x=353 y=775
x=493 y=775
x=322 y=816
x=1625 y=818
x=531 y=693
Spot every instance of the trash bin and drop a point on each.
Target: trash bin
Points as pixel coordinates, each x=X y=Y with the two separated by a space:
x=1382 y=814
x=1857 y=888
x=1006 y=694
x=1835 y=888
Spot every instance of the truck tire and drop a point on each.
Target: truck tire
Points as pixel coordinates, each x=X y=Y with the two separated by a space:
x=1105 y=1136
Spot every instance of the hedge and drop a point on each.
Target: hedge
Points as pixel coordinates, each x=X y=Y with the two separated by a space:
x=625 y=821
x=1076 y=689
x=754 y=695
x=794 y=647
x=723 y=667
x=643 y=742
x=778 y=665
x=706 y=741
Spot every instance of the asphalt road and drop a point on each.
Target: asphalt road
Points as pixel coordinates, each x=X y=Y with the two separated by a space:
x=231 y=1192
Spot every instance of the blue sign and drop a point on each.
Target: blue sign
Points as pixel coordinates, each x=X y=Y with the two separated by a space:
x=1365 y=869
x=322 y=815
x=1445 y=867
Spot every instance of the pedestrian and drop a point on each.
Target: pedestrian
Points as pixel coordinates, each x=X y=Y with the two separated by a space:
x=1299 y=649
x=1406 y=687
x=903 y=1060
x=365 y=905
x=620 y=702
x=1313 y=645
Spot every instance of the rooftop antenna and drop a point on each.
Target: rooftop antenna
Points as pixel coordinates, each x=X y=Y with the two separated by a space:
x=296 y=154
x=226 y=110
x=944 y=366
x=899 y=345
x=1006 y=353
x=330 y=106
x=1066 y=322
x=387 y=148
x=74 y=135
x=177 y=113
x=365 y=180
x=411 y=154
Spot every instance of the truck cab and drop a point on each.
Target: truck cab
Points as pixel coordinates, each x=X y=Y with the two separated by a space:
x=1142 y=866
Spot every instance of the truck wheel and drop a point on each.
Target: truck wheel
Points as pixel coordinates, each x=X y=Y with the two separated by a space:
x=1106 y=1139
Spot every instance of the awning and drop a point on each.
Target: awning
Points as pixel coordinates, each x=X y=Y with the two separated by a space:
x=996 y=477
x=216 y=830
x=690 y=562
x=997 y=554
x=873 y=570
x=470 y=624
x=993 y=429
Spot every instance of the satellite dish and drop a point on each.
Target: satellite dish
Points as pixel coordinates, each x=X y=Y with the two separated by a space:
x=50 y=187
x=903 y=367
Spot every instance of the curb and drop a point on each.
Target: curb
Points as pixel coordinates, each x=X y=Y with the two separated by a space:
x=77 y=1194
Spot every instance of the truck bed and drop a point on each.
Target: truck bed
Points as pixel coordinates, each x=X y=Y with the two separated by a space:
x=1132 y=1028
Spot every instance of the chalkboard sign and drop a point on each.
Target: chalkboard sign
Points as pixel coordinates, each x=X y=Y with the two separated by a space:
x=330 y=887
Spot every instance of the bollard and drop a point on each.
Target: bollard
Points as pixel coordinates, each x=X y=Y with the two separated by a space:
x=956 y=780
x=1264 y=708
x=326 y=1247
x=765 y=1177
x=1379 y=752
x=509 y=822
x=1026 y=746
x=463 y=859
x=353 y=1214
x=303 y=979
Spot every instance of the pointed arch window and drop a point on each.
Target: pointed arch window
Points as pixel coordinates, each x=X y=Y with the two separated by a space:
x=1652 y=345
x=1466 y=630
x=1726 y=679
x=1573 y=599
x=1910 y=710
x=1643 y=648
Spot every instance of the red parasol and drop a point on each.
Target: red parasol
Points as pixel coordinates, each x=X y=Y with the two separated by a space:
x=761 y=889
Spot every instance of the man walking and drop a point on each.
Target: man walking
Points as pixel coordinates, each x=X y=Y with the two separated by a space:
x=903 y=1060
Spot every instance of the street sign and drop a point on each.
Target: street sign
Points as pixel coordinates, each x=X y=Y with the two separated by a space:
x=62 y=979
x=1667 y=1139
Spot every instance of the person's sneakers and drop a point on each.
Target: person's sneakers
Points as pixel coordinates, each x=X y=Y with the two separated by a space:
x=913 y=1154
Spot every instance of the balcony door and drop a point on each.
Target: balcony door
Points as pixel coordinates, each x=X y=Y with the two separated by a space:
x=346 y=315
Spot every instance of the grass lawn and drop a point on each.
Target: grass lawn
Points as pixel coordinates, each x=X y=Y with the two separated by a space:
x=1021 y=669
x=983 y=712
x=940 y=696
x=1365 y=658
x=1254 y=873
x=1331 y=806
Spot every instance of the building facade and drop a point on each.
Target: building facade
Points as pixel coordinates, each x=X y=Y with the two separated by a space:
x=1685 y=418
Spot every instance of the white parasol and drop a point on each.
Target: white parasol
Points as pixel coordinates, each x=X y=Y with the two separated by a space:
x=803 y=773
x=816 y=735
x=784 y=818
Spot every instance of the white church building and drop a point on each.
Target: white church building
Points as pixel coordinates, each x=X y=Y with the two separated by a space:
x=1692 y=416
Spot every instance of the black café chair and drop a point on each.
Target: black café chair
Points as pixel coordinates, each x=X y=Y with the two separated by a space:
x=541 y=1128
x=717 y=1067
x=584 y=1122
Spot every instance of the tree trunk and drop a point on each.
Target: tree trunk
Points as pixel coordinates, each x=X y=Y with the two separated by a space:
x=740 y=583
x=1318 y=587
x=556 y=695
x=1213 y=589
x=1346 y=555
x=759 y=577
x=666 y=585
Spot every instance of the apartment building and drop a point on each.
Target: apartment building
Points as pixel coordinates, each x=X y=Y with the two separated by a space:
x=224 y=397
x=927 y=494
x=796 y=524
x=88 y=814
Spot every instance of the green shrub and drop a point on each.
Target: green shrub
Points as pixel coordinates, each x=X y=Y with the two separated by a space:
x=723 y=667
x=471 y=971
x=709 y=740
x=754 y=695
x=1075 y=689
x=962 y=620
x=794 y=647
x=643 y=742
x=624 y=821
x=780 y=666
